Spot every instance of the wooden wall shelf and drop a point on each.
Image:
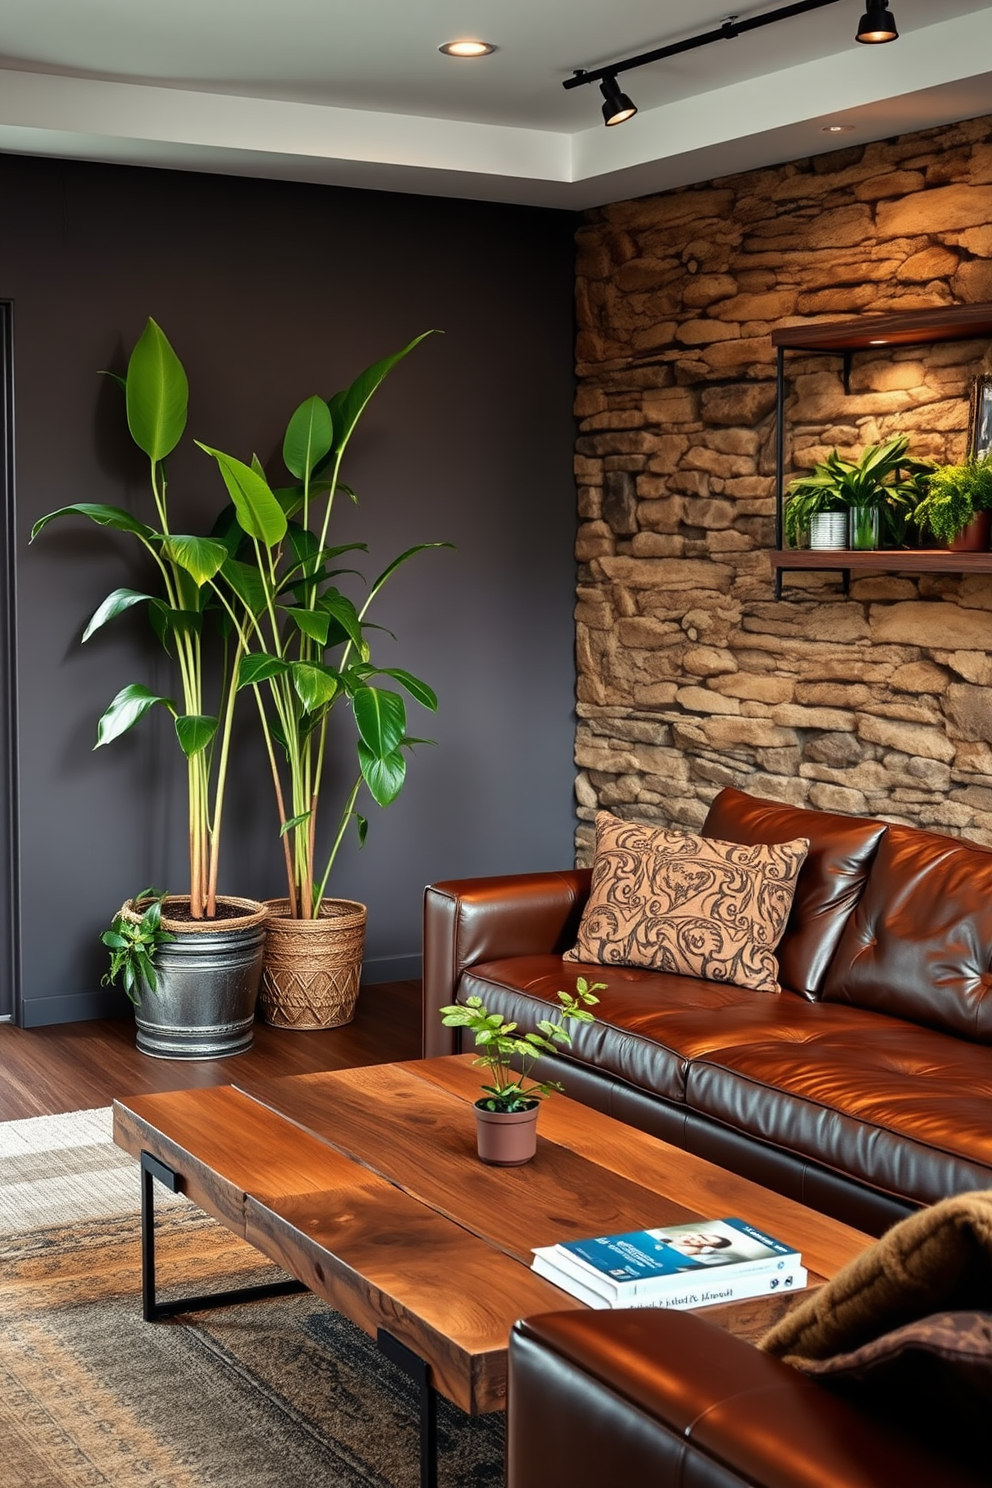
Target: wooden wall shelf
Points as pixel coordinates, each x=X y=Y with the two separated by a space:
x=878 y=560
x=844 y=338
x=909 y=328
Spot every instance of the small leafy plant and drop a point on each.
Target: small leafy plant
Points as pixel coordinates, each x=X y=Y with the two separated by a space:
x=501 y=1043
x=955 y=494
x=133 y=942
x=883 y=478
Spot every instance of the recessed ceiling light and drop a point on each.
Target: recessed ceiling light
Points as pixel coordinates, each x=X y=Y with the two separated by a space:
x=466 y=48
x=837 y=129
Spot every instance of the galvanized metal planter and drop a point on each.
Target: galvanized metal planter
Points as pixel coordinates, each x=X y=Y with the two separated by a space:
x=206 y=985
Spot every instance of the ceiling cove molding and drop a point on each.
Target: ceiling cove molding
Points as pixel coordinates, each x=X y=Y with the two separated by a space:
x=928 y=78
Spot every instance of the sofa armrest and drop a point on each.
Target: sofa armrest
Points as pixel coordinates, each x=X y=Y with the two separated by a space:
x=469 y=920
x=645 y=1396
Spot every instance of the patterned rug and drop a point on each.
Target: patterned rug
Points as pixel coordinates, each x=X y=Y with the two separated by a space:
x=275 y=1394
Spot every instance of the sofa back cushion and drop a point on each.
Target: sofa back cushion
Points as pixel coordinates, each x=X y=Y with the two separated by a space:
x=831 y=881
x=919 y=943
x=677 y=902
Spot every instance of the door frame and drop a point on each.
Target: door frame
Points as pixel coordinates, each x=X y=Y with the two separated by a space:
x=10 y=856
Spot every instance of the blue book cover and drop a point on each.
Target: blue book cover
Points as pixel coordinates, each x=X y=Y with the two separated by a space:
x=641 y=1255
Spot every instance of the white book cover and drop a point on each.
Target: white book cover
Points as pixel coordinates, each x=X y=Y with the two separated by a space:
x=651 y=1262
x=699 y=1290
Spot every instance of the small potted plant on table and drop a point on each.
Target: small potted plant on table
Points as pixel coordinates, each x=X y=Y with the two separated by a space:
x=506 y=1113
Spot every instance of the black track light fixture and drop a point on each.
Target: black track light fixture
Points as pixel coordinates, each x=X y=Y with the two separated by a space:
x=617 y=107
x=878 y=24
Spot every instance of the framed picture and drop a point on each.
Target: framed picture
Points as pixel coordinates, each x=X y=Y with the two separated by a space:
x=981 y=417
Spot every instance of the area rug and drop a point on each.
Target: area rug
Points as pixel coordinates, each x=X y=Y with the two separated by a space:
x=281 y=1393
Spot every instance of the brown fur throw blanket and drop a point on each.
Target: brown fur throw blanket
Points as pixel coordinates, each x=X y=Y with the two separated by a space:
x=938 y=1260
x=904 y=1332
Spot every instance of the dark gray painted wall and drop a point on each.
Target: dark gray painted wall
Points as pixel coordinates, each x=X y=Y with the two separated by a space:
x=270 y=292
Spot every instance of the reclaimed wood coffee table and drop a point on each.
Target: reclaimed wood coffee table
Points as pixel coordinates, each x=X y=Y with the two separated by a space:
x=364 y=1185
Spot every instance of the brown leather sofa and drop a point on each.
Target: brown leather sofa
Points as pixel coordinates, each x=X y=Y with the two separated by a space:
x=863 y=1090
x=668 y=1399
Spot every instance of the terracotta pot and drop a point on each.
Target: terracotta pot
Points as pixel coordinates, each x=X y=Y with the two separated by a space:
x=975 y=537
x=313 y=967
x=506 y=1139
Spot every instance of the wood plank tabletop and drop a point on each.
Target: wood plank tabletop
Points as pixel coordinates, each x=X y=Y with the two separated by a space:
x=586 y=1163
x=364 y=1183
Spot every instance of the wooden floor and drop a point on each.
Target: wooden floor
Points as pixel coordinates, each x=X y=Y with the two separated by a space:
x=77 y=1066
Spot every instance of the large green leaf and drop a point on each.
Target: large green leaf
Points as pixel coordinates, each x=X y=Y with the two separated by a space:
x=398 y=562
x=128 y=708
x=384 y=775
x=103 y=516
x=201 y=557
x=308 y=438
x=246 y=582
x=114 y=604
x=194 y=731
x=347 y=407
x=259 y=513
x=315 y=685
x=414 y=686
x=311 y=622
x=259 y=667
x=157 y=394
x=305 y=546
x=381 y=719
x=346 y=615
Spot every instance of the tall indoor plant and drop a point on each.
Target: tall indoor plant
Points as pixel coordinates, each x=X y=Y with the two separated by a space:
x=307 y=657
x=207 y=1009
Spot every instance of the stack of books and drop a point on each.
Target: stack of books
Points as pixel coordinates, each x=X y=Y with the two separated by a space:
x=684 y=1265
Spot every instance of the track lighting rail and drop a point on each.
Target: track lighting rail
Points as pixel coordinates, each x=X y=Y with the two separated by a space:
x=730 y=28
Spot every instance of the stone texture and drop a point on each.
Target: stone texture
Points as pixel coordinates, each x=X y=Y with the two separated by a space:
x=935 y=626
x=691 y=677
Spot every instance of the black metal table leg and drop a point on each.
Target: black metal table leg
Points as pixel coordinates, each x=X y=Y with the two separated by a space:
x=420 y=1372
x=153 y=1169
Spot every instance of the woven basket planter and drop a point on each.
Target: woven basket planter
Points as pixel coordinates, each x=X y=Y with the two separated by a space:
x=313 y=967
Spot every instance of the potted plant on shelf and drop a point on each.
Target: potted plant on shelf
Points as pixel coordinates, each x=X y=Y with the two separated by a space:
x=863 y=503
x=957 y=507
x=307 y=656
x=207 y=948
x=506 y=1112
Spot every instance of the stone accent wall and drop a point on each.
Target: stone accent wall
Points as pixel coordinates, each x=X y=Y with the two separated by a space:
x=691 y=676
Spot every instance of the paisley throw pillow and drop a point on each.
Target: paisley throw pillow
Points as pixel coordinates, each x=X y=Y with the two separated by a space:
x=674 y=901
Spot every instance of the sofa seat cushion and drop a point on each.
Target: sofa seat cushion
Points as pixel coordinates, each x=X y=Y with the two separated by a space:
x=830 y=882
x=649 y=1024
x=901 y=1108
x=620 y=1041
x=919 y=943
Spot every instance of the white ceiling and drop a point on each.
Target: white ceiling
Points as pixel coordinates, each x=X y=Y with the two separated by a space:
x=358 y=94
